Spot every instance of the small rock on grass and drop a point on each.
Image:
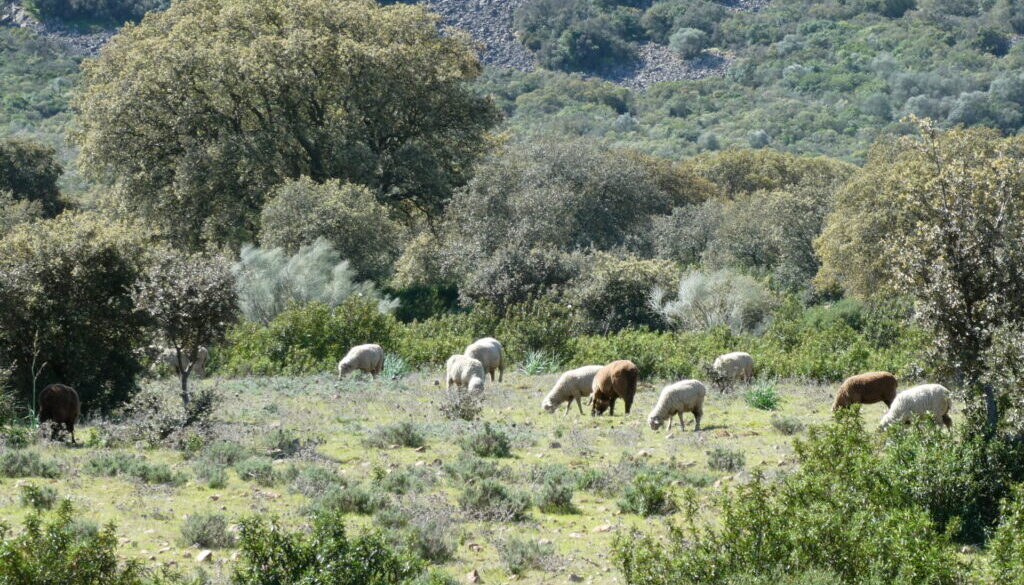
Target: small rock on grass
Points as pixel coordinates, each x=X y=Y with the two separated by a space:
x=204 y=556
x=473 y=577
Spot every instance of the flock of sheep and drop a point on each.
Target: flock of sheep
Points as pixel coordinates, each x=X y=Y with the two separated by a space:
x=604 y=385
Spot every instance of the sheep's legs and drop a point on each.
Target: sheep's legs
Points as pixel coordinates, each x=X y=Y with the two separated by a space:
x=697 y=414
x=669 y=427
x=682 y=423
x=579 y=404
x=71 y=429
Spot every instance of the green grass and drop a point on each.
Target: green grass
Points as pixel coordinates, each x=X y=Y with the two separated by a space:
x=570 y=473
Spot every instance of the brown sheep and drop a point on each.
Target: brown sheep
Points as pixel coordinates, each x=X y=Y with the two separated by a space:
x=866 y=388
x=60 y=404
x=616 y=380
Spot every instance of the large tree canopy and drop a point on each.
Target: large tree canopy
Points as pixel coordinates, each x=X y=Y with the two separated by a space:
x=194 y=114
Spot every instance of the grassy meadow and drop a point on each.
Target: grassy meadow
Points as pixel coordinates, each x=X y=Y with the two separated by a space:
x=334 y=427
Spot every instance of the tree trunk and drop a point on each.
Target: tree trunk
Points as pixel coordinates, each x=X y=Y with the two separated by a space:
x=183 y=372
x=991 y=410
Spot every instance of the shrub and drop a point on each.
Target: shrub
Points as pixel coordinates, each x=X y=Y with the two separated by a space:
x=489 y=500
x=212 y=474
x=470 y=468
x=22 y=463
x=307 y=338
x=834 y=514
x=726 y=459
x=520 y=555
x=402 y=480
x=704 y=300
x=206 y=531
x=16 y=437
x=270 y=554
x=348 y=216
x=540 y=362
x=556 y=491
x=788 y=425
x=457 y=403
x=424 y=528
x=688 y=42
x=646 y=495
x=487 y=442
x=611 y=292
x=224 y=452
x=117 y=464
x=258 y=469
x=404 y=434
x=38 y=497
x=395 y=367
x=269 y=281
x=282 y=443
x=315 y=481
x=1006 y=548
x=762 y=396
x=357 y=499
x=66 y=301
x=62 y=552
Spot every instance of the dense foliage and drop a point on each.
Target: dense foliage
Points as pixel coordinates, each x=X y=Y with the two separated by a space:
x=114 y=12
x=66 y=309
x=248 y=94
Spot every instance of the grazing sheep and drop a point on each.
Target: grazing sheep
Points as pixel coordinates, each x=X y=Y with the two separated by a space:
x=737 y=366
x=60 y=404
x=490 y=353
x=677 y=398
x=616 y=380
x=572 y=385
x=866 y=388
x=930 y=399
x=465 y=372
x=167 y=355
x=368 y=358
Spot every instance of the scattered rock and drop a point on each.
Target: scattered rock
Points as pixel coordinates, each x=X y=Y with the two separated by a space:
x=602 y=528
x=204 y=556
x=420 y=449
x=966 y=549
x=555 y=445
x=215 y=497
x=574 y=578
x=670 y=435
x=473 y=577
x=575 y=535
x=475 y=547
x=643 y=453
x=544 y=541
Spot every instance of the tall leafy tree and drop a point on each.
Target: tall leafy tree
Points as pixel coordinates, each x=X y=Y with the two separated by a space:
x=945 y=211
x=29 y=173
x=195 y=113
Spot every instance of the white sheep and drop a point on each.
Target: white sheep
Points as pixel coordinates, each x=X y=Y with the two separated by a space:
x=465 y=372
x=735 y=366
x=490 y=353
x=932 y=399
x=169 y=356
x=572 y=385
x=368 y=358
x=677 y=398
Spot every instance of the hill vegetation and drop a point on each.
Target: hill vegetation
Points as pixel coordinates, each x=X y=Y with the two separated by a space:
x=265 y=184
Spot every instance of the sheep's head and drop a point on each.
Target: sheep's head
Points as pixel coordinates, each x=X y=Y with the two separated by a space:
x=344 y=368
x=655 y=423
x=842 y=401
x=476 y=384
x=548 y=406
x=600 y=405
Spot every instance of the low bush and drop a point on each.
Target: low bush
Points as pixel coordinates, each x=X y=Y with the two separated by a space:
x=271 y=554
x=120 y=464
x=214 y=475
x=358 y=499
x=16 y=437
x=762 y=396
x=469 y=468
x=403 y=434
x=788 y=425
x=647 y=495
x=282 y=443
x=206 y=531
x=725 y=459
x=490 y=500
x=837 y=514
x=457 y=403
x=395 y=367
x=258 y=469
x=224 y=452
x=315 y=481
x=21 y=463
x=425 y=528
x=37 y=497
x=555 y=492
x=519 y=555
x=61 y=551
x=1006 y=548
x=402 y=480
x=540 y=362
x=487 y=441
